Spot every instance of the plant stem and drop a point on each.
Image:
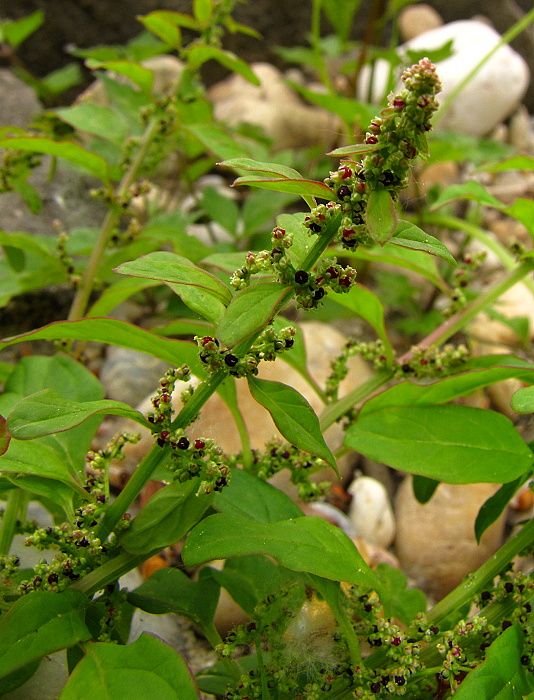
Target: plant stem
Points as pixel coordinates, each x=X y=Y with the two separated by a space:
x=509 y=36
x=484 y=237
x=83 y=293
x=110 y=571
x=130 y=492
x=16 y=503
x=335 y=411
x=456 y=322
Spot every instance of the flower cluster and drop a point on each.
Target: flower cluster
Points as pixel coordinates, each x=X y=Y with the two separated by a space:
x=269 y=344
x=200 y=458
x=393 y=140
x=280 y=455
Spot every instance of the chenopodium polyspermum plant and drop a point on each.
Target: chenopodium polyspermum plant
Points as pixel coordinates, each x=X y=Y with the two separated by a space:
x=361 y=194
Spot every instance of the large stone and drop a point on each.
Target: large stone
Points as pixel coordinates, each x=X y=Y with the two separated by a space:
x=492 y=95
x=416 y=19
x=435 y=542
x=497 y=89
x=276 y=108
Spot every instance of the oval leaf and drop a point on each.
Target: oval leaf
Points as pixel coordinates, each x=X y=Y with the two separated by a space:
x=108 y=330
x=46 y=412
x=305 y=544
x=169 y=267
x=261 y=168
x=409 y=235
x=305 y=188
x=68 y=150
x=36 y=459
x=381 y=216
x=454 y=444
x=146 y=669
x=199 y=54
x=293 y=416
x=250 y=311
x=138 y=74
x=166 y=518
x=37 y=625
x=523 y=400
x=172 y=591
x=467 y=190
x=501 y=676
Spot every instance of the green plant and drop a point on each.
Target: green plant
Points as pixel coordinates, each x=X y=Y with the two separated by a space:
x=323 y=624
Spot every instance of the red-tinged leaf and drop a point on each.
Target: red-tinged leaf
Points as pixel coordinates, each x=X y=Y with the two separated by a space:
x=68 y=150
x=358 y=149
x=121 y=333
x=305 y=188
x=5 y=437
x=260 y=168
x=381 y=216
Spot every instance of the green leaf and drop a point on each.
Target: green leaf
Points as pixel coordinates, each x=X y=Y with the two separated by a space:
x=96 y=119
x=514 y=163
x=523 y=210
x=68 y=150
x=202 y=11
x=36 y=459
x=399 y=601
x=350 y=110
x=116 y=293
x=55 y=495
x=169 y=267
x=250 y=310
x=523 y=400
x=138 y=74
x=148 y=668
x=414 y=260
x=199 y=54
x=501 y=676
x=165 y=25
x=497 y=504
x=172 y=591
x=358 y=149
x=107 y=330
x=341 y=15
x=303 y=187
x=166 y=518
x=467 y=190
x=250 y=497
x=261 y=168
x=200 y=290
x=462 y=384
x=62 y=79
x=250 y=579
x=381 y=216
x=293 y=416
x=217 y=138
x=409 y=235
x=368 y=306
x=46 y=412
x=454 y=444
x=220 y=209
x=304 y=544
x=15 y=32
x=423 y=488
x=37 y=625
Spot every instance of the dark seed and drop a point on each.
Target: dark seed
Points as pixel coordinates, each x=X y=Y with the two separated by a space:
x=301 y=277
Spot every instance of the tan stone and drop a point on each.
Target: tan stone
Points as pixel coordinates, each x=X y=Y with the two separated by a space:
x=435 y=542
x=416 y=19
x=276 y=108
x=518 y=301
